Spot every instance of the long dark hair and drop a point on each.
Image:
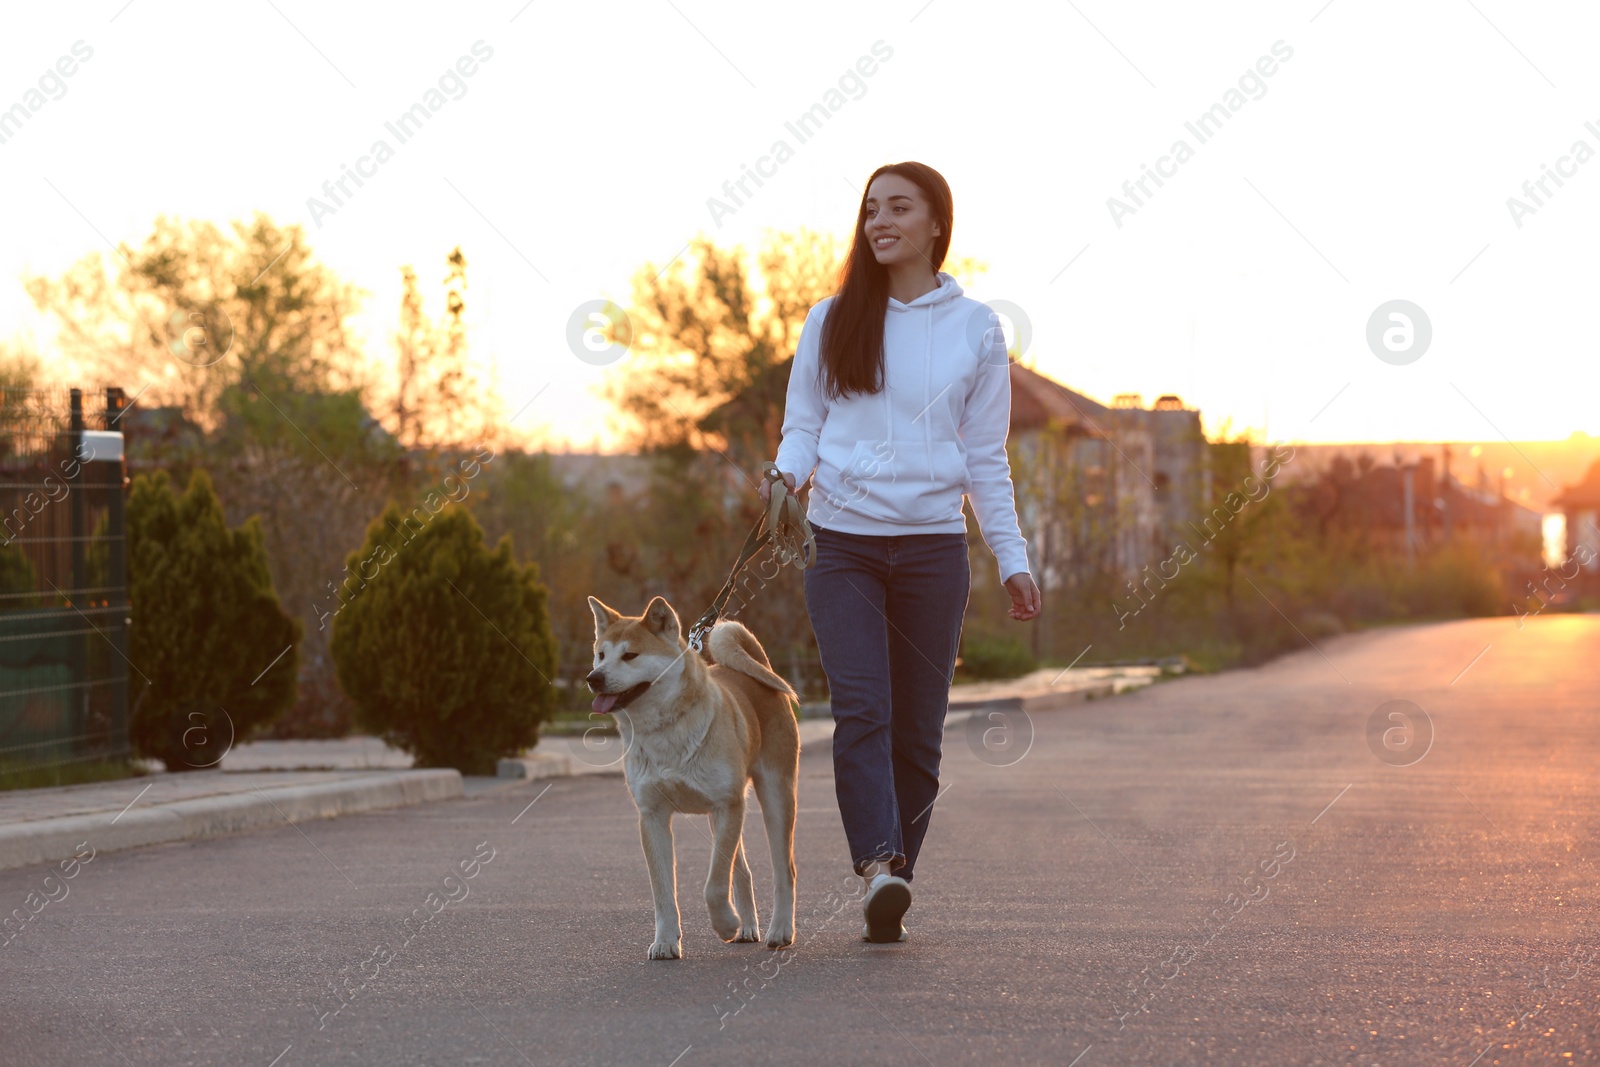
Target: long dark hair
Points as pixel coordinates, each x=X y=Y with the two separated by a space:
x=852 y=333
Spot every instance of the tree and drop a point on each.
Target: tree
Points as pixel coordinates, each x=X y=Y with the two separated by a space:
x=703 y=393
x=17 y=576
x=438 y=400
x=445 y=646
x=196 y=311
x=20 y=371
x=246 y=334
x=20 y=367
x=313 y=496
x=565 y=532
x=710 y=341
x=209 y=643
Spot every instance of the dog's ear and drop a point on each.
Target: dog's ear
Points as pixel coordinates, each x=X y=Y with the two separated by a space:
x=661 y=619
x=603 y=616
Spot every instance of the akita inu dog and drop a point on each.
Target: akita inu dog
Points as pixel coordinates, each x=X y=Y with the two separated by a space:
x=697 y=734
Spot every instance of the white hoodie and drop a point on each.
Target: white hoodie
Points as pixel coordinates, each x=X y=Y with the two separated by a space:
x=898 y=462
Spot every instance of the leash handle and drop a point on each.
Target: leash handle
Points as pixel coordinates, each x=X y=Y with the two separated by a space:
x=792 y=542
x=779 y=489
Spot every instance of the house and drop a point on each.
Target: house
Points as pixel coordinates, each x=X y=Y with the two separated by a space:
x=1580 y=505
x=1412 y=508
x=161 y=438
x=1102 y=490
x=615 y=477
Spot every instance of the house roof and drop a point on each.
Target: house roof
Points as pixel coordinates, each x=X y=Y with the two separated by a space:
x=1037 y=400
x=1584 y=495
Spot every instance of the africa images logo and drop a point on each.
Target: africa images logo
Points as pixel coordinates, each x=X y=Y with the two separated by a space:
x=1207 y=125
x=806 y=126
x=405 y=126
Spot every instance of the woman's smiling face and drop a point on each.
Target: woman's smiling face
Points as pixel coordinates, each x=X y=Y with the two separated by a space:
x=898 y=222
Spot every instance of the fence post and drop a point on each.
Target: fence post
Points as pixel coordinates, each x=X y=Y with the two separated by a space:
x=79 y=660
x=117 y=596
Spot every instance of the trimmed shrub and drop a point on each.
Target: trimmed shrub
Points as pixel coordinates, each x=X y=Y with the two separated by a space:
x=17 y=576
x=990 y=656
x=1455 y=581
x=444 y=646
x=206 y=626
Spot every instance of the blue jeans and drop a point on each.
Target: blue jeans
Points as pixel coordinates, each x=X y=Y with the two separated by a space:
x=887 y=614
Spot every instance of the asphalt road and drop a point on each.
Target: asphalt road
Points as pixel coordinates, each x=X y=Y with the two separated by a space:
x=1216 y=870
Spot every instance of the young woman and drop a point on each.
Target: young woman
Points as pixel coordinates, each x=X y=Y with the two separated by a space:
x=899 y=401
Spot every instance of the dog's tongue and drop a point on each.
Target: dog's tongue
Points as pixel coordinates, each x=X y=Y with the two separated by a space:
x=603 y=702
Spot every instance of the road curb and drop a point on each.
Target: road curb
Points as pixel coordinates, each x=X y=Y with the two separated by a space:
x=48 y=840
x=960 y=709
x=1029 y=703
x=534 y=765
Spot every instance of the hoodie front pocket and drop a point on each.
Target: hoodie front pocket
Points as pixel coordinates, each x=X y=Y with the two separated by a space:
x=906 y=481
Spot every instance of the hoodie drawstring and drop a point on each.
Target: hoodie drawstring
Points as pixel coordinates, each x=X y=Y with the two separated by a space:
x=927 y=387
x=947 y=289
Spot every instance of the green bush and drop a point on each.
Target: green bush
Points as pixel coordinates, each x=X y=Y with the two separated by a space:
x=1455 y=581
x=444 y=646
x=988 y=656
x=17 y=577
x=206 y=626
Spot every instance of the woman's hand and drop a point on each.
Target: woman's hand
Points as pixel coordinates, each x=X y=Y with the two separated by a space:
x=765 y=488
x=1026 y=600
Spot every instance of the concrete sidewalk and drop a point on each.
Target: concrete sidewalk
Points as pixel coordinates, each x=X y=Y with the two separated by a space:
x=44 y=825
x=1050 y=689
x=266 y=783
x=598 y=751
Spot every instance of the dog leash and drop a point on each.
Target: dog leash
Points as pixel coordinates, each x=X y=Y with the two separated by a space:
x=792 y=542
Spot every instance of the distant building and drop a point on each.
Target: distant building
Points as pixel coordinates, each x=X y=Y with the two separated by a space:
x=1580 y=504
x=160 y=437
x=1413 y=508
x=613 y=477
x=1109 y=489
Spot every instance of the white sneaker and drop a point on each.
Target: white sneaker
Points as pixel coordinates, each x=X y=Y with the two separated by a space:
x=883 y=907
x=866 y=934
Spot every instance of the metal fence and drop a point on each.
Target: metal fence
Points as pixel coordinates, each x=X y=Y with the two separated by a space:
x=63 y=587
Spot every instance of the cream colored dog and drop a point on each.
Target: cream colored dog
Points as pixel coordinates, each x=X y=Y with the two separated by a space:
x=697 y=734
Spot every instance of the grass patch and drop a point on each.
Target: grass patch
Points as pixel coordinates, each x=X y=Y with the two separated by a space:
x=571 y=723
x=30 y=776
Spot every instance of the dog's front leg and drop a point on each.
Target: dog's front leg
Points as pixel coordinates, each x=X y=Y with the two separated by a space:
x=744 y=897
x=655 y=832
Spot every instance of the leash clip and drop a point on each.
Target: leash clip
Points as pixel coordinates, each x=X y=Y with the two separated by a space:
x=697 y=636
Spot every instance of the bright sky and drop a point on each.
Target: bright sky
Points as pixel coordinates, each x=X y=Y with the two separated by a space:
x=1373 y=164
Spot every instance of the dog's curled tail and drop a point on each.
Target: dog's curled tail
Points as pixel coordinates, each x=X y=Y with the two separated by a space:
x=732 y=645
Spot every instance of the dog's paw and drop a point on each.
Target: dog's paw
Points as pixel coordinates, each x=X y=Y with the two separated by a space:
x=665 y=950
x=725 y=921
x=780 y=937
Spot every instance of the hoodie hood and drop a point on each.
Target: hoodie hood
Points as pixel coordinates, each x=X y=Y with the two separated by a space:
x=947 y=289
